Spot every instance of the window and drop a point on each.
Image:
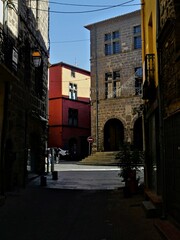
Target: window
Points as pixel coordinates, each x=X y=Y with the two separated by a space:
x=108 y=76
x=72 y=91
x=108 y=50
x=137 y=29
x=137 y=42
x=116 y=75
x=112 y=43
x=73 y=73
x=137 y=37
x=138 y=80
x=115 y=34
x=107 y=36
x=112 y=84
x=73 y=117
x=116 y=47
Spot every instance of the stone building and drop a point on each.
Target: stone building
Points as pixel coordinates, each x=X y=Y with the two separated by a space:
x=69 y=109
x=23 y=90
x=169 y=85
x=161 y=94
x=116 y=78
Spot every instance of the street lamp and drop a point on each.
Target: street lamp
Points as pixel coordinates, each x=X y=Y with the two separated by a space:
x=36 y=57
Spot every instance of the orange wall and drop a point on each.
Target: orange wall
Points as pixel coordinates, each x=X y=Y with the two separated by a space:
x=55 y=85
x=55 y=111
x=60 y=132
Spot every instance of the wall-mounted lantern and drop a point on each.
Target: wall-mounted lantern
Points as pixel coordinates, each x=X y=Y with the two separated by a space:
x=36 y=57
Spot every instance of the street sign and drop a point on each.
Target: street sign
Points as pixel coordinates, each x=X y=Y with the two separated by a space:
x=90 y=139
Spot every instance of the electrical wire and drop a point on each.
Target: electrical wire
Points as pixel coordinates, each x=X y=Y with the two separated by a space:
x=83 y=40
x=73 y=4
x=102 y=7
x=81 y=5
x=91 y=11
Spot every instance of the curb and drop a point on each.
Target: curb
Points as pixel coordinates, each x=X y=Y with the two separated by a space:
x=167 y=229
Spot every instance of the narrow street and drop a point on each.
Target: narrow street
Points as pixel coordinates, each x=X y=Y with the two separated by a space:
x=72 y=175
x=52 y=213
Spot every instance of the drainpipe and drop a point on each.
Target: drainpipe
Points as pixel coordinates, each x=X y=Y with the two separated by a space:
x=143 y=28
x=143 y=57
x=37 y=14
x=144 y=112
x=97 y=93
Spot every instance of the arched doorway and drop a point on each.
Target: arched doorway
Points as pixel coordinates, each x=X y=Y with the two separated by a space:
x=73 y=148
x=113 y=135
x=138 y=135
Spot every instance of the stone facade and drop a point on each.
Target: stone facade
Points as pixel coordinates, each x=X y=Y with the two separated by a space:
x=118 y=102
x=24 y=96
x=169 y=82
x=169 y=41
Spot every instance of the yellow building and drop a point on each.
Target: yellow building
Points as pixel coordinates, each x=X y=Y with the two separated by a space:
x=150 y=96
x=161 y=94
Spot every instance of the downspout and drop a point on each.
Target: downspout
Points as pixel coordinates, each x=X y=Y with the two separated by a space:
x=144 y=112
x=143 y=57
x=48 y=76
x=37 y=14
x=161 y=125
x=143 y=28
x=97 y=94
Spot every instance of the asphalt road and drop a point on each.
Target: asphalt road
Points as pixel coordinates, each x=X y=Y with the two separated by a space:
x=71 y=175
x=85 y=203
x=37 y=213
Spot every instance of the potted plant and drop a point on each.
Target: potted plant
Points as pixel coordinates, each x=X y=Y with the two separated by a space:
x=130 y=159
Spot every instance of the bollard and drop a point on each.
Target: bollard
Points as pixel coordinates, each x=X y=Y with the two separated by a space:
x=55 y=175
x=43 y=181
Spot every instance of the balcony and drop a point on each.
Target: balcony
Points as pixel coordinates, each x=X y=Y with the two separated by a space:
x=149 y=88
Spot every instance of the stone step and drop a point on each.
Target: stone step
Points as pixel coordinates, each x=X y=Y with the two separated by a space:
x=101 y=158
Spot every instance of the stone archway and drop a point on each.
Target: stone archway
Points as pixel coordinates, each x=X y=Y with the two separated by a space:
x=113 y=135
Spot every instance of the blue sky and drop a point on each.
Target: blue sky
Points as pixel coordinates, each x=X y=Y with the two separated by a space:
x=69 y=39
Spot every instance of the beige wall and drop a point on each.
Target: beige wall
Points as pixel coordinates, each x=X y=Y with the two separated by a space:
x=38 y=22
x=82 y=81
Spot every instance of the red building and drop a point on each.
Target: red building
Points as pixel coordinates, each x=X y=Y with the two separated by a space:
x=69 y=108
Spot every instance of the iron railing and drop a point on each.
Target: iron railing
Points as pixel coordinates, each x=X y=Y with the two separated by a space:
x=149 y=88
